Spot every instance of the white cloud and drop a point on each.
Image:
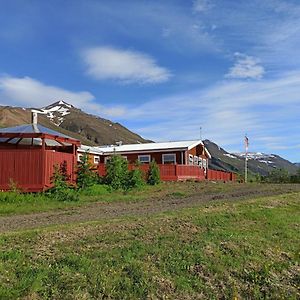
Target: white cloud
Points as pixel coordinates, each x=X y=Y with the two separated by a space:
x=202 y=5
x=267 y=110
x=29 y=92
x=123 y=65
x=246 y=67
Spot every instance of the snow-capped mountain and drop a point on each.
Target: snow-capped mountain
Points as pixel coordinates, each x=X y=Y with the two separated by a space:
x=258 y=162
x=56 y=112
x=67 y=119
x=261 y=157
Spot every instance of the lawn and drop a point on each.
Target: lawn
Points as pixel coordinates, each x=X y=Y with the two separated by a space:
x=11 y=203
x=231 y=249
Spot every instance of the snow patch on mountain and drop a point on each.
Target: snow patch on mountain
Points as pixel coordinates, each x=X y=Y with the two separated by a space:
x=230 y=155
x=267 y=159
x=56 y=112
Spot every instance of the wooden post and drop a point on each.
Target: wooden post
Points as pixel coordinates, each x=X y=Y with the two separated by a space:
x=74 y=152
x=43 y=163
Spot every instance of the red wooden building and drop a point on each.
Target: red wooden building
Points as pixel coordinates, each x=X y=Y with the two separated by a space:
x=180 y=160
x=28 y=154
x=192 y=153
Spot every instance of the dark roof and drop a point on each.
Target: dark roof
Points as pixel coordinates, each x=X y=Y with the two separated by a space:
x=32 y=128
x=31 y=134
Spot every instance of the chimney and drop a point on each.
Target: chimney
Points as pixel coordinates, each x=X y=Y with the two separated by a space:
x=34 y=117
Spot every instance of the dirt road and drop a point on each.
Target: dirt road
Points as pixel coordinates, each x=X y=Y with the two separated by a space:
x=100 y=210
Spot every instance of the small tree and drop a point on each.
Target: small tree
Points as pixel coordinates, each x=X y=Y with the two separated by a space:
x=85 y=176
x=136 y=177
x=117 y=172
x=153 y=173
x=59 y=179
x=61 y=191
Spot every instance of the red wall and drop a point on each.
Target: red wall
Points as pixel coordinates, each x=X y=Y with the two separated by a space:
x=181 y=172
x=31 y=169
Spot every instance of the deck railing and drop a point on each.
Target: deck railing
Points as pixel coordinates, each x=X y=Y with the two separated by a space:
x=180 y=172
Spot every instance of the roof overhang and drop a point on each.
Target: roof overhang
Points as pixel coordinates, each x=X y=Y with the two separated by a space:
x=13 y=135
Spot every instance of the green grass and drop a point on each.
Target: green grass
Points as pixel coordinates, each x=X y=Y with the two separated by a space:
x=11 y=203
x=244 y=249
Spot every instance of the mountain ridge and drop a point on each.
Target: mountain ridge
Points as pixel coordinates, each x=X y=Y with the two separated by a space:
x=64 y=117
x=93 y=130
x=257 y=162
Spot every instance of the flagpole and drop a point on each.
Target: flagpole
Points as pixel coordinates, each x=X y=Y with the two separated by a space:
x=246 y=168
x=246 y=158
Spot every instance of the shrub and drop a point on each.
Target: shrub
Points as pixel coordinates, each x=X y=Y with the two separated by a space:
x=136 y=177
x=66 y=194
x=13 y=186
x=117 y=173
x=61 y=191
x=59 y=177
x=278 y=176
x=153 y=173
x=85 y=176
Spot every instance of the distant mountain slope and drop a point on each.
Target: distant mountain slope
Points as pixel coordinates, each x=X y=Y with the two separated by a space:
x=93 y=130
x=257 y=162
x=66 y=118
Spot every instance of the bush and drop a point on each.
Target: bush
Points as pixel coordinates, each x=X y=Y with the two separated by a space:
x=117 y=173
x=61 y=190
x=136 y=177
x=153 y=173
x=59 y=177
x=66 y=194
x=85 y=176
x=278 y=176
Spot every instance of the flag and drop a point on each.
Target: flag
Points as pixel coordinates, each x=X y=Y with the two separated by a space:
x=246 y=143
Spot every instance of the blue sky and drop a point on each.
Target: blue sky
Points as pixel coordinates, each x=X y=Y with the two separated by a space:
x=162 y=68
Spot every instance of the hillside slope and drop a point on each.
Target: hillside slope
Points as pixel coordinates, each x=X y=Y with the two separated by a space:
x=67 y=119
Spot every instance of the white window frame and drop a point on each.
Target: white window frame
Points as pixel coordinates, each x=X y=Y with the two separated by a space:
x=79 y=155
x=96 y=159
x=144 y=155
x=204 y=163
x=200 y=162
x=191 y=159
x=174 y=156
x=196 y=160
x=106 y=159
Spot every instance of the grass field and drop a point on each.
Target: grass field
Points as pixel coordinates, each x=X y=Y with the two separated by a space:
x=11 y=203
x=231 y=249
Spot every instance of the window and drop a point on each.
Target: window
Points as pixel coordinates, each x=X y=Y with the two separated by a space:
x=204 y=164
x=79 y=156
x=191 y=160
x=106 y=159
x=144 y=159
x=200 y=162
x=96 y=159
x=196 y=160
x=169 y=159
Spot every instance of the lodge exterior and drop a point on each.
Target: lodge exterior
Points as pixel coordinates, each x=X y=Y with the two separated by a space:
x=180 y=160
x=29 y=153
